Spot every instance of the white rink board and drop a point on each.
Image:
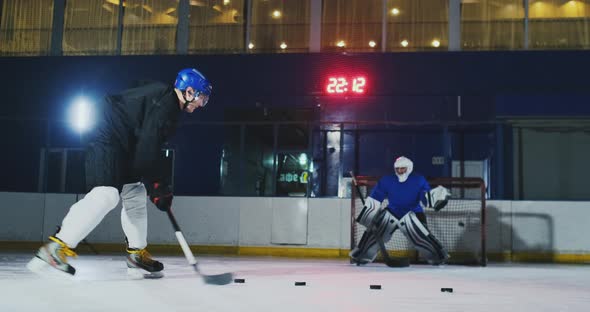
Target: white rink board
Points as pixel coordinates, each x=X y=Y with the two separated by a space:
x=56 y=208
x=324 y=222
x=21 y=216
x=550 y=226
x=255 y=221
x=513 y=226
x=499 y=225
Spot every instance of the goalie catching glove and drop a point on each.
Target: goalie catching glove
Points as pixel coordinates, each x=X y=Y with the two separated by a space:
x=437 y=198
x=161 y=196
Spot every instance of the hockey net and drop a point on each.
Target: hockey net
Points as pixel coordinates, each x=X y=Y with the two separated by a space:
x=460 y=226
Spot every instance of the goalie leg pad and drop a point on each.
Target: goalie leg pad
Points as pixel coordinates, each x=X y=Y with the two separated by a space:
x=366 y=251
x=422 y=239
x=369 y=212
x=385 y=225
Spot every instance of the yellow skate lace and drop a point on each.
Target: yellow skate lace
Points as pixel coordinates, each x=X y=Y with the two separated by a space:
x=143 y=254
x=64 y=251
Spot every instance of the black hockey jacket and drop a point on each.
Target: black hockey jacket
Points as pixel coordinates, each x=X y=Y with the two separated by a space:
x=136 y=123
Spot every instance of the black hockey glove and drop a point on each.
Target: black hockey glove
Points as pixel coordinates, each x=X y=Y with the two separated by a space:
x=161 y=196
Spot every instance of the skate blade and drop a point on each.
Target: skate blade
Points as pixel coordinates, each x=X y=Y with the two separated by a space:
x=137 y=274
x=359 y=262
x=44 y=269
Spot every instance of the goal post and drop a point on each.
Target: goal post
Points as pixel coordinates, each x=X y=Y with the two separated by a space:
x=459 y=226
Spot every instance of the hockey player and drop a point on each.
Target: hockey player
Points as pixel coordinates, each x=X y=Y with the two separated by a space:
x=125 y=153
x=408 y=193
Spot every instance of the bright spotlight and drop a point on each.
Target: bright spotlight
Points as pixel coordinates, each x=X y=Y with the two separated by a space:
x=81 y=115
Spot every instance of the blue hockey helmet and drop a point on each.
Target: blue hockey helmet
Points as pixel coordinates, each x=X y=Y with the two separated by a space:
x=190 y=77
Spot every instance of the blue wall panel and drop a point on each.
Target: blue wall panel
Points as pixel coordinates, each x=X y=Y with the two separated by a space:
x=420 y=88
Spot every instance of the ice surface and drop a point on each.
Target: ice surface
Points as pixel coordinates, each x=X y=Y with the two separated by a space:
x=331 y=285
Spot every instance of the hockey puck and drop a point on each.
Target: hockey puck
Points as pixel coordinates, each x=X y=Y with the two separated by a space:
x=375 y=286
x=461 y=224
x=239 y=280
x=299 y=283
x=450 y=290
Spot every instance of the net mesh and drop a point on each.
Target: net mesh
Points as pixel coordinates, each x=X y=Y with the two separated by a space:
x=459 y=226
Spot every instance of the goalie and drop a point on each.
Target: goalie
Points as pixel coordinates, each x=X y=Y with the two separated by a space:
x=408 y=194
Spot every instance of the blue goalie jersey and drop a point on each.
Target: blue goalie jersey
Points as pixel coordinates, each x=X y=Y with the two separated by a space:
x=403 y=197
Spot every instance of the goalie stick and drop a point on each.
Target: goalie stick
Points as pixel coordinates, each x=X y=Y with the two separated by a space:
x=216 y=279
x=390 y=261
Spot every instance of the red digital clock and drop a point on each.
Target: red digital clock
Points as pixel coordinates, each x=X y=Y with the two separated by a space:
x=346 y=85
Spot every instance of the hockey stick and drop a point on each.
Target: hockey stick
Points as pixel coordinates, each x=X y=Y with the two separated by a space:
x=390 y=261
x=216 y=279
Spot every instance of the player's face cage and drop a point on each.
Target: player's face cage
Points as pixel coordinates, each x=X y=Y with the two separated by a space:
x=197 y=96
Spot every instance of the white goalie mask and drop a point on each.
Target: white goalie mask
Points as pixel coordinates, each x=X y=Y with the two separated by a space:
x=403 y=162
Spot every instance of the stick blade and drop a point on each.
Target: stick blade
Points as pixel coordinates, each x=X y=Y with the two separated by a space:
x=215 y=279
x=397 y=262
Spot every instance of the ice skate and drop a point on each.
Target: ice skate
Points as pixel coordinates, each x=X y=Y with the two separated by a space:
x=52 y=255
x=441 y=261
x=140 y=264
x=357 y=257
